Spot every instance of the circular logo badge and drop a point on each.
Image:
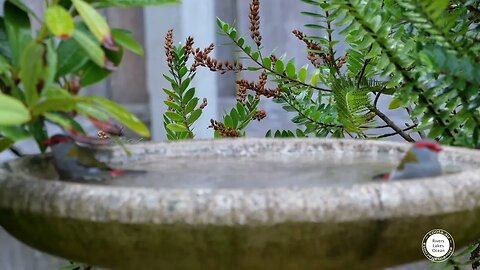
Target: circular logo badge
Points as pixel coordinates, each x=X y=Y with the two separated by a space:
x=438 y=245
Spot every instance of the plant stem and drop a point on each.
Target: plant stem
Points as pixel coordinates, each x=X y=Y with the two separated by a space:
x=391 y=124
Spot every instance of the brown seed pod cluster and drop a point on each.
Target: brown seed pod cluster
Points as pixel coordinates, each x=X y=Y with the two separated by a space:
x=342 y=60
x=223 y=130
x=203 y=104
x=259 y=115
x=258 y=87
x=203 y=59
x=188 y=47
x=254 y=16
x=169 y=47
x=315 y=53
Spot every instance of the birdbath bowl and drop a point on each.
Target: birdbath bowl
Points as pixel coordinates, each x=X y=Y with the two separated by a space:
x=243 y=204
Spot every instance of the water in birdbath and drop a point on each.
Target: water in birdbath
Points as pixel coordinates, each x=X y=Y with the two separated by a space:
x=257 y=172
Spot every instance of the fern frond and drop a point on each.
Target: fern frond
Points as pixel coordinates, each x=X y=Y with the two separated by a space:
x=353 y=103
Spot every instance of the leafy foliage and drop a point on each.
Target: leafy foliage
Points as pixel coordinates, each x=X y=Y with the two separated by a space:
x=424 y=52
x=40 y=80
x=182 y=103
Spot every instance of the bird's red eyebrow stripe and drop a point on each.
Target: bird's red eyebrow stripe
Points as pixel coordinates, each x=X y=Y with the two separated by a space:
x=430 y=145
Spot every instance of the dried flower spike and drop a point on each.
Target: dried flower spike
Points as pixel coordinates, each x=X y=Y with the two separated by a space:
x=254 y=16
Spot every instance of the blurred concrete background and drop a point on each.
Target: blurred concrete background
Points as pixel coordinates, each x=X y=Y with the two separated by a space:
x=138 y=83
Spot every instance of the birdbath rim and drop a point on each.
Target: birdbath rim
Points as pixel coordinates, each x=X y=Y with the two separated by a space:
x=267 y=206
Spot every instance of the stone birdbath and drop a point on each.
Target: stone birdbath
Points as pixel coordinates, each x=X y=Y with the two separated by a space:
x=243 y=204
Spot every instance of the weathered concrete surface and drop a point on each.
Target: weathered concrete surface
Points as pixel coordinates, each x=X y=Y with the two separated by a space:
x=369 y=226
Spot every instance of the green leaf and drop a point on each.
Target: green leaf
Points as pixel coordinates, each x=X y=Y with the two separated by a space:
x=191 y=105
x=5 y=50
x=174 y=116
x=126 y=40
x=194 y=116
x=395 y=103
x=302 y=74
x=15 y=133
x=291 y=70
x=55 y=92
x=39 y=131
x=95 y=22
x=12 y=111
x=50 y=68
x=279 y=66
x=5 y=143
x=177 y=127
x=58 y=119
x=31 y=70
x=59 y=21
x=92 y=73
x=122 y=115
x=92 y=49
x=267 y=62
x=188 y=95
x=71 y=57
x=89 y=109
x=173 y=105
x=19 y=32
x=64 y=104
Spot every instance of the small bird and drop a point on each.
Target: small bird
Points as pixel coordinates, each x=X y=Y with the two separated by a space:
x=75 y=162
x=420 y=161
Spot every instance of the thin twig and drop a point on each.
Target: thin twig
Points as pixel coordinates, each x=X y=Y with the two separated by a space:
x=394 y=133
x=16 y=151
x=391 y=124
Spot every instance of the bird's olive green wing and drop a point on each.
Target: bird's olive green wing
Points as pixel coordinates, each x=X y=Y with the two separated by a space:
x=409 y=157
x=86 y=157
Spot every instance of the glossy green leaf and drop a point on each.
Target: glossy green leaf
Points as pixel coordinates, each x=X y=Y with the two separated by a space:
x=279 y=67
x=177 y=127
x=194 y=116
x=12 y=111
x=395 y=103
x=55 y=92
x=39 y=131
x=50 y=68
x=122 y=115
x=15 y=133
x=21 y=5
x=71 y=57
x=92 y=49
x=95 y=22
x=174 y=116
x=19 y=32
x=31 y=71
x=59 y=21
x=89 y=109
x=191 y=105
x=64 y=104
x=173 y=105
x=290 y=70
x=92 y=73
x=5 y=50
x=126 y=40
